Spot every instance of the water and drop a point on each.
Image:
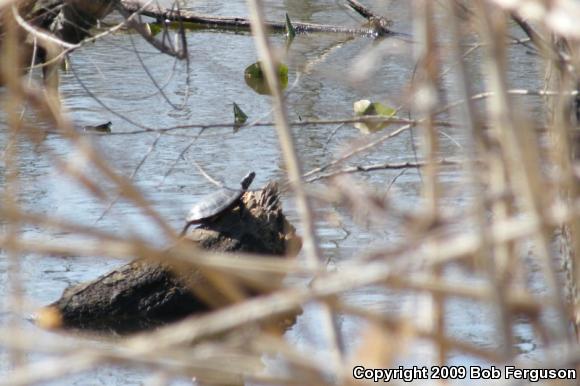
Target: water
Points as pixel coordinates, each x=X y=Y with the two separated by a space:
x=325 y=80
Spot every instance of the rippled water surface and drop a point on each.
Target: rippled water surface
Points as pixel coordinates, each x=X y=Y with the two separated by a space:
x=108 y=82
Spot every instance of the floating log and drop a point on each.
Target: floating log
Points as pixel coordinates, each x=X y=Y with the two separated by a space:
x=143 y=294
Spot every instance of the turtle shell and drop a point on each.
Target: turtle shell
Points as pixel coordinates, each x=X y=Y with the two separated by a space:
x=218 y=202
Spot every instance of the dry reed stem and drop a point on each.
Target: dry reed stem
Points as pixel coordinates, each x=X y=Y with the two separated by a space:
x=413 y=265
x=352 y=277
x=50 y=108
x=425 y=99
x=477 y=145
x=561 y=73
x=410 y=328
x=44 y=38
x=69 y=48
x=292 y=162
x=286 y=139
x=193 y=257
x=519 y=149
x=50 y=111
x=561 y=19
x=360 y=149
x=9 y=70
x=562 y=152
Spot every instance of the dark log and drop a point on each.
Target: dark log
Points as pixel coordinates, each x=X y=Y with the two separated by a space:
x=143 y=294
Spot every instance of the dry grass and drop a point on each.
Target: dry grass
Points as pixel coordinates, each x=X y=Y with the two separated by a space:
x=524 y=195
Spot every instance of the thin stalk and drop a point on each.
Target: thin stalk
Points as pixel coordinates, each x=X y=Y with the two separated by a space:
x=425 y=102
x=562 y=154
x=520 y=150
x=9 y=71
x=292 y=163
x=485 y=253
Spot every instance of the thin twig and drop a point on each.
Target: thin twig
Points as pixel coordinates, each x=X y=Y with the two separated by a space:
x=381 y=166
x=132 y=176
x=359 y=150
x=485 y=255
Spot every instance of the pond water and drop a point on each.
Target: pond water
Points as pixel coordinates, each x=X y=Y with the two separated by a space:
x=325 y=79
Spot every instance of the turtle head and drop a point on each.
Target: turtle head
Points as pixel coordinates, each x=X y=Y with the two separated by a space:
x=247 y=180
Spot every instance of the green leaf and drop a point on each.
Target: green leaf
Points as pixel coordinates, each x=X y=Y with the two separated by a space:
x=254 y=71
x=239 y=116
x=256 y=79
x=366 y=107
x=290 y=31
x=384 y=111
x=283 y=73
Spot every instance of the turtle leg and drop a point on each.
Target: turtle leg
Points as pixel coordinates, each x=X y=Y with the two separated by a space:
x=241 y=206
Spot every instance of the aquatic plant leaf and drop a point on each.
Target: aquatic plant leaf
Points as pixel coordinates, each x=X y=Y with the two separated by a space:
x=283 y=73
x=290 y=31
x=365 y=107
x=254 y=71
x=239 y=116
x=256 y=80
x=382 y=110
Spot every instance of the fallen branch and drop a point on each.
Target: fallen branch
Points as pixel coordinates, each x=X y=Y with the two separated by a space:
x=378 y=22
x=378 y=27
x=361 y=9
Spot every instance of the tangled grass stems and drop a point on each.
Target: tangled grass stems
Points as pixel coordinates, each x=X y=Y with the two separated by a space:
x=522 y=191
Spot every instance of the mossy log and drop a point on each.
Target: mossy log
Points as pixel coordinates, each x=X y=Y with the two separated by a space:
x=143 y=294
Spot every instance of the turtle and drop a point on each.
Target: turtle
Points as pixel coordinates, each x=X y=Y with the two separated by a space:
x=211 y=206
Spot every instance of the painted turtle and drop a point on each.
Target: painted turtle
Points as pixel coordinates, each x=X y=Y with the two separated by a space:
x=214 y=204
